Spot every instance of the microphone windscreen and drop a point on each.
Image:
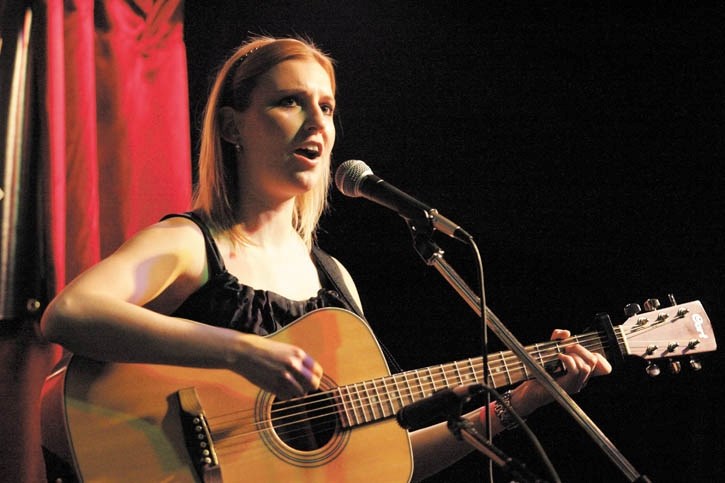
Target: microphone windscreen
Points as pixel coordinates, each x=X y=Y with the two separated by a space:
x=349 y=175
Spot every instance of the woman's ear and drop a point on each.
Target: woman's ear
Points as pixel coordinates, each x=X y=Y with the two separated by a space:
x=229 y=123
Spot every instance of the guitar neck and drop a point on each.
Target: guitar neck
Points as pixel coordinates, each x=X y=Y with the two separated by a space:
x=375 y=399
x=678 y=331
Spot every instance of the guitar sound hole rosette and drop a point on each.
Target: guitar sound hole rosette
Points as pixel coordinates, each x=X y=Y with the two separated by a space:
x=306 y=431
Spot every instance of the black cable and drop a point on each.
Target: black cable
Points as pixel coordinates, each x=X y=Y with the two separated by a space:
x=491 y=391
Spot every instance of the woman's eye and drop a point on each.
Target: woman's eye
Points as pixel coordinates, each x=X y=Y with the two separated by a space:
x=288 y=102
x=328 y=109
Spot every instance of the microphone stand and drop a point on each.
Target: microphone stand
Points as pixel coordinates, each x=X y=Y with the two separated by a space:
x=433 y=255
x=464 y=430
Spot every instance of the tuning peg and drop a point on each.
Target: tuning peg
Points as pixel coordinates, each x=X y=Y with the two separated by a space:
x=672 y=300
x=630 y=310
x=682 y=311
x=651 y=304
x=653 y=370
x=695 y=364
x=675 y=367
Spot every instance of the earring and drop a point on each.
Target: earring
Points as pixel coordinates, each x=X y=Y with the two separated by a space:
x=238 y=147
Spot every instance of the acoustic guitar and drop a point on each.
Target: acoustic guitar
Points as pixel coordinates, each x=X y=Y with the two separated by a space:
x=126 y=422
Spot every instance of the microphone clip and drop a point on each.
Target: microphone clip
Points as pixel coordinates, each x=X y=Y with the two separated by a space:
x=423 y=242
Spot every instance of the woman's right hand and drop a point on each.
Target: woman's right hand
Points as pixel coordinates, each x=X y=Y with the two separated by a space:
x=282 y=369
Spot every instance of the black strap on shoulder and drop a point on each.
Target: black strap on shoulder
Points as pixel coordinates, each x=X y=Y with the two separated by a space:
x=332 y=271
x=214 y=258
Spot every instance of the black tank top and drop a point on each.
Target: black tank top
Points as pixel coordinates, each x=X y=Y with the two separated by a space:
x=224 y=302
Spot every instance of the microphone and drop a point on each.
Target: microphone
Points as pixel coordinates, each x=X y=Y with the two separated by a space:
x=438 y=407
x=354 y=178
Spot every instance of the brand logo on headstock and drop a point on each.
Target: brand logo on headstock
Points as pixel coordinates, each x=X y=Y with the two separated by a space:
x=699 y=321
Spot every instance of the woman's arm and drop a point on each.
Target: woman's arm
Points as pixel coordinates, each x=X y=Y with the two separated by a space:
x=101 y=315
x=435 y=448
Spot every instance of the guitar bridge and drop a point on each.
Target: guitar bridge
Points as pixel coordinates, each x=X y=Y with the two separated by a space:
x=197 y=436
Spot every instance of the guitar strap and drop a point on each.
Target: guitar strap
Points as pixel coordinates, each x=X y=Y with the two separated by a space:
x=332 y=271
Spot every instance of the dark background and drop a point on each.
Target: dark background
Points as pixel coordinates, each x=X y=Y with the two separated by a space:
x=580 y=145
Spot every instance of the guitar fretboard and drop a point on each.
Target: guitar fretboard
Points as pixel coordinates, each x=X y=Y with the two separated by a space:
x=375 y=399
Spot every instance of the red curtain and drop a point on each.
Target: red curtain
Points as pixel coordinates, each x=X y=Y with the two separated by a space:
x=114 y=131
x=121 y=155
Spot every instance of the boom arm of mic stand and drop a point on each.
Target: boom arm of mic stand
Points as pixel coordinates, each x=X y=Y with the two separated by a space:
x=433 y=255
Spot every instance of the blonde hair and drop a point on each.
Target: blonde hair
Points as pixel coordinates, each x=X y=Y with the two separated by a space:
x=216 y=193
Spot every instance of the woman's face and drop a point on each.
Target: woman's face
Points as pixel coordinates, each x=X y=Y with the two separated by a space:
x=287 y=132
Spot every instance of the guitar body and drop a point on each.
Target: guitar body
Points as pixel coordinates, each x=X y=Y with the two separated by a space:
x=121 y=422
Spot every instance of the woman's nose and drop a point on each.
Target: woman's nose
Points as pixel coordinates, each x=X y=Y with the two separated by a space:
x=316 y=119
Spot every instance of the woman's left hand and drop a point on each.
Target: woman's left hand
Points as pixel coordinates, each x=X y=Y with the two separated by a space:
x=579 y=364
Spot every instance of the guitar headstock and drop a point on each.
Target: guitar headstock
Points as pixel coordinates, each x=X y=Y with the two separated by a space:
x=670 y=332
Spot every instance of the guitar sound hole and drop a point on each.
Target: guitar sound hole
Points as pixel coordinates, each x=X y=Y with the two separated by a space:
x=305 y=424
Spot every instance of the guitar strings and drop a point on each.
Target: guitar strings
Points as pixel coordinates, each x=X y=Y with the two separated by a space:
x=402 y=378
x=592 y=341
x=446 y=371
x=453 y=372
x=282 y=420
x=365 y=401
